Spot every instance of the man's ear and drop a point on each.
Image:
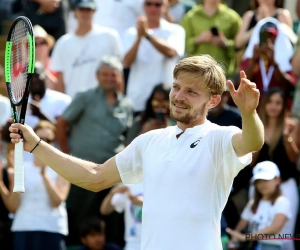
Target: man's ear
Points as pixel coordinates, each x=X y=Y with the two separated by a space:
x=214 y=101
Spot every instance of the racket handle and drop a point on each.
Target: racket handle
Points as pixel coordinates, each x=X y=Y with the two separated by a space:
x=19 y=168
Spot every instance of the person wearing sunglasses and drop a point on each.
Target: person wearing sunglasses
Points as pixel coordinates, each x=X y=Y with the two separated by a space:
x=151 y=50
x=40 y=219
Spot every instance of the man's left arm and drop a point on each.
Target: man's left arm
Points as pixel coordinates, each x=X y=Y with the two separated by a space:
x=246 y=97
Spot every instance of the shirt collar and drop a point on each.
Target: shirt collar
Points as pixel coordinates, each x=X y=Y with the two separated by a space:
x=193 y=130
x=221 y=8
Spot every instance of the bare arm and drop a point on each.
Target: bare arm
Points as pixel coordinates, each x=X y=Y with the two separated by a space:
x=60 y=86
x=106 y=207
x=291 y=140
x=131 y=54
x=246 y=98
x=243 y=35
x=62 y=127
x=298 y=8
x=285 y=17
x=163 y=47
x=57 y=192
x=242 y=224
x=88 y=175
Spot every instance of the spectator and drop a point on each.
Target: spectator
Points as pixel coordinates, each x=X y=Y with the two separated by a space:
x=281 y=147
x=152 y=49
x=177 y=9
x=261 y=9
x=76 y=55
x=98 y=120
x=118 y=15
x=268 y=212
x=92 y=235
x=266 y=62
x=156 y=114
x=210 y=29
x=6 y=180
x=5 y=112
x=43 y=45
x=50 y=14
x=128 y=198
x=40 y=220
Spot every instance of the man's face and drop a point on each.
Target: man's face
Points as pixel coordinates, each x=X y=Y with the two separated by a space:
x=154 y=9
x=109 y=78
x=84 y=15
x=94 y=240
x=190 y=101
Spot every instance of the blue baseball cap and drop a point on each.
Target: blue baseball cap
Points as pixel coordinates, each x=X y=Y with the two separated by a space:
x=85 y=4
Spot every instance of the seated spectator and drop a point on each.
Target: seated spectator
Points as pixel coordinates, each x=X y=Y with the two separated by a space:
x=151 y=50
x=128 y=199
x=210 y=29
x=261 y=9
x=267 y=58
x=281 y=147
x=156 y=114
x=92 y=235
x=43 y=45
x=40 y=220
x=265 y=214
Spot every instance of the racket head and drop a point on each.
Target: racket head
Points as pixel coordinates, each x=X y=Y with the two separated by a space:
x=19 y=60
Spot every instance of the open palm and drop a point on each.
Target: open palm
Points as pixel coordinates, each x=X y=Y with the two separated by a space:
x=246 y=97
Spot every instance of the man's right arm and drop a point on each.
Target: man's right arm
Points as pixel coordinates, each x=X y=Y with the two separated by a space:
x=88 y=175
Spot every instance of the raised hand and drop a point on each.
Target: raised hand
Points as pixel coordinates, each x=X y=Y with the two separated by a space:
x=246 y=97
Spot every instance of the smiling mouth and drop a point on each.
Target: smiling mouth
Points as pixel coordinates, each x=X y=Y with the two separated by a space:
x=180 y=106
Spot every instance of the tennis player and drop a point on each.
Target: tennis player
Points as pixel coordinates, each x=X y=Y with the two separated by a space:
x=187 y=170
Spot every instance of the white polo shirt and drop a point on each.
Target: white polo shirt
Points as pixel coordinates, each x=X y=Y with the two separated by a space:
x=187 y=182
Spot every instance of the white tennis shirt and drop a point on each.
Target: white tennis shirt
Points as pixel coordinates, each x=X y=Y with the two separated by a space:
x=187 y=182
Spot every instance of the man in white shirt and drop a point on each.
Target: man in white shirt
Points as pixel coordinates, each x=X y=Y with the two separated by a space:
x=151 y=51
x=187 y=170
x=76 y=55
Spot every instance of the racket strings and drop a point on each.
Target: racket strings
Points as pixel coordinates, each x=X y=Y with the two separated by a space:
x=19 y=60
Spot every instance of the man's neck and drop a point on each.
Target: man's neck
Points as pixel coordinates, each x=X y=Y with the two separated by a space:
x=184 y=126
x=152 y=24
x=210 y=8
x=111 y=97
x=83 y=29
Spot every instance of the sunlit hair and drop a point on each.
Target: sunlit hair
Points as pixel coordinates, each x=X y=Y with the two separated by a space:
x=258 y=197
x=255 y=5
x=43 y=124
x=280 y=120
x=204 y=70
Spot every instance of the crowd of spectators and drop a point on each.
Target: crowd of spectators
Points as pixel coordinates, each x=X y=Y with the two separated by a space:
x=103 y=73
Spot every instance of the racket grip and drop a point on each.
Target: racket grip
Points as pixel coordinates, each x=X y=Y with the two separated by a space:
x=19 y=168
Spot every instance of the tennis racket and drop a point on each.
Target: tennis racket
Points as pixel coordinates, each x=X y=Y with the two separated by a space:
x=19 y=68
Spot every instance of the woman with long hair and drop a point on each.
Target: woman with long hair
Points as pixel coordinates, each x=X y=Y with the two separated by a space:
x=261 y=9
x=281 y=146
x=156 y=114
x=266 y=214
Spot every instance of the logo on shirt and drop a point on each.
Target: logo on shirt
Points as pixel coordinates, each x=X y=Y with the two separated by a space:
x=194 y=144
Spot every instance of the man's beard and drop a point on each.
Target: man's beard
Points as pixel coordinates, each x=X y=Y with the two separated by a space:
x=189 y=117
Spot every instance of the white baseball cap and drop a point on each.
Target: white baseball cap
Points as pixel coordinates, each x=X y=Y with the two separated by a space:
x=265 y=170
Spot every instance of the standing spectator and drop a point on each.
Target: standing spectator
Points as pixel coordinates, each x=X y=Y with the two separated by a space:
x=76 y=55
x=152 y=49
x=40 y=220
x=177 y=9
x=266 y=62
x=261 y=9
x=281 y=146
x=98 y=120
x=49 y=14
x=127 y=199
x=210 y=29
x=267 y=213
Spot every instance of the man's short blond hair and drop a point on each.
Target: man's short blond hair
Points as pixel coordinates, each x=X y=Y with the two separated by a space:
x=205 y=70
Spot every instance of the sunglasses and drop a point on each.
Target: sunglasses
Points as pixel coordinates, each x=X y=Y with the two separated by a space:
x=157 y=5
x=41 y=43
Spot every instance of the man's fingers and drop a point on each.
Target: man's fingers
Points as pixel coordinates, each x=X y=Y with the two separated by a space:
x=243 y=74
x=230 y=86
